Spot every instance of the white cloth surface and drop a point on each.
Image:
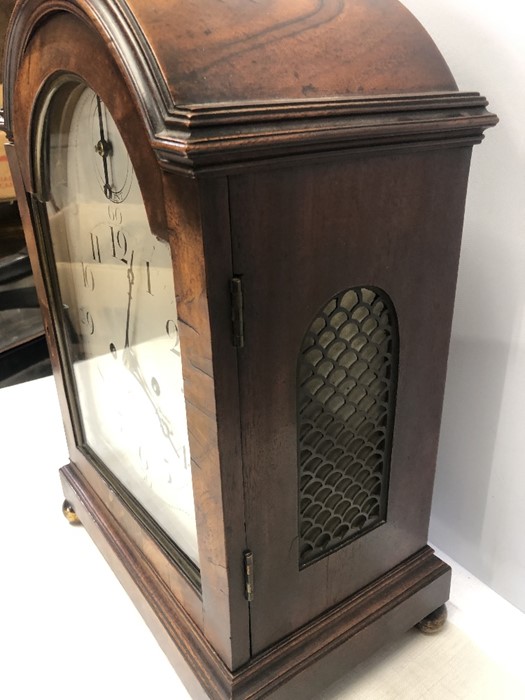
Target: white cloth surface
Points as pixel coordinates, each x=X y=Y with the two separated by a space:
x=67 y=628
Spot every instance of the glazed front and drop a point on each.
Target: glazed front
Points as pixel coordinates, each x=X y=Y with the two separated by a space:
x=165 y=230
x=114 y=284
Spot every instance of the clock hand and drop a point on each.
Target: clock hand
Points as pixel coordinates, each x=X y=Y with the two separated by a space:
x=130 y=360
x=104 y=149
x=131 y=363
x=131 y=282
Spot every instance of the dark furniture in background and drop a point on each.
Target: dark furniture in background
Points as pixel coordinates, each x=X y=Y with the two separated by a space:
x=23 y=348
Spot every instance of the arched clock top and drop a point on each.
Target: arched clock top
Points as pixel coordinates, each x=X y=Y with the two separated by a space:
x=113 y=22
x=259 y=52
x=240 y=82
x=236 y=51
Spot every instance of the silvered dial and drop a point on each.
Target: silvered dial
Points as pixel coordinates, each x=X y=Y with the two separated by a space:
x=117 y=291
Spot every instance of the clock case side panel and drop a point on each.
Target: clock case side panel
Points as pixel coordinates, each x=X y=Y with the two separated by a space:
x=391 y=220
x=63 y=45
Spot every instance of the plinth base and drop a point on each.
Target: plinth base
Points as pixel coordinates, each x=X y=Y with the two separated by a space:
x=300 y=665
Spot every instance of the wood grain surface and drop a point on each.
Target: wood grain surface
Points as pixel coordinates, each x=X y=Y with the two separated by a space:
x=303 y=148
x=270 y=50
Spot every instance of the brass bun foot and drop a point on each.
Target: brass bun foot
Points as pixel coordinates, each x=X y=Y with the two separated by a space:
x=434 y=622
x=70 y=514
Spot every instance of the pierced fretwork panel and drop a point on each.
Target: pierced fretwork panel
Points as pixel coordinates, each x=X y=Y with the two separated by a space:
x=346 y=400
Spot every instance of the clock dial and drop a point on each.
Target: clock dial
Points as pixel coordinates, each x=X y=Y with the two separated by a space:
x=117 y=291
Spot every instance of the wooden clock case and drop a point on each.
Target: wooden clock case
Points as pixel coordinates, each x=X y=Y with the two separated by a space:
x=289 y=152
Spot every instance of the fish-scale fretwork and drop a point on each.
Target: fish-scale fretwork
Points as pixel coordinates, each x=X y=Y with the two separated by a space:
x=346 y=395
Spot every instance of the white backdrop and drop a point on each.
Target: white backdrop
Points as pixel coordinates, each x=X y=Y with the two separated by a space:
x=479 y=498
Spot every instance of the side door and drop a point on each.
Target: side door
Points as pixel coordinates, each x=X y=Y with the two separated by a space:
x=338 y=277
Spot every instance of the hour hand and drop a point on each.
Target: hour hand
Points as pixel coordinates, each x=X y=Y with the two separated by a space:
x=131 y=363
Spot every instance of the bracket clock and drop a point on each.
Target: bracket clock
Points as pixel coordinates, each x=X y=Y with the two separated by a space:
x=244 y=221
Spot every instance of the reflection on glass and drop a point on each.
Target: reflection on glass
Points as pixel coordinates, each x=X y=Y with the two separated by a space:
x=116 y=286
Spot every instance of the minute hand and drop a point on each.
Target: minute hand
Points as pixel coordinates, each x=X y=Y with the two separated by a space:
x=131 y=363
x=131 y=282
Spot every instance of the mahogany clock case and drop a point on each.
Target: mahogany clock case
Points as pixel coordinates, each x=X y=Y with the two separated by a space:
x=286 y=189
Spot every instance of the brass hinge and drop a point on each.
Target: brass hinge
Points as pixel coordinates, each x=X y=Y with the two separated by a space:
x=248 y=576
x=237 y=312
